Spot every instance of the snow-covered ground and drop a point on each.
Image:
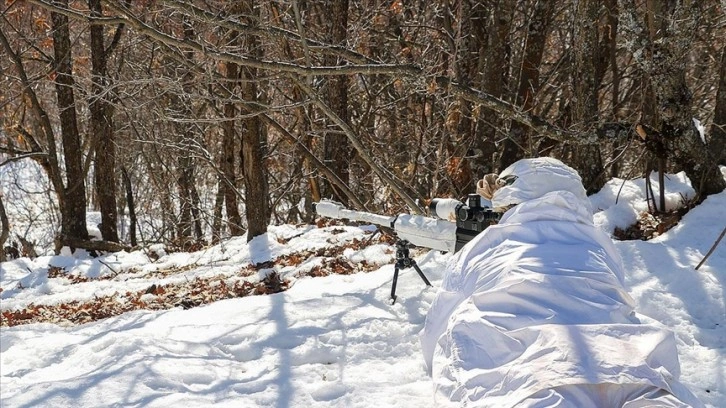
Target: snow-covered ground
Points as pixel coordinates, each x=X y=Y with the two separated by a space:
x=332 y=341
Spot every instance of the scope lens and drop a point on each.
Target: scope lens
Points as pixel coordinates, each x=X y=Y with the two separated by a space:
x=462 y=213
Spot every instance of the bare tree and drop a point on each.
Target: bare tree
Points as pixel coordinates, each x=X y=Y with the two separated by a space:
x=337 y=147
x=187 y=137
x=586 y=77
x=74 y=218
x=229 y=175
x=101 y=125
x=527 y=78
x=254 y=135
x=717 y=141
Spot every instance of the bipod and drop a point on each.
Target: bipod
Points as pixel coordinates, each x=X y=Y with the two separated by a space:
x=403 y=260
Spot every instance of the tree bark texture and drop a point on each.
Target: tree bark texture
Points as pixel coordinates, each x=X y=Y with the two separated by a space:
x=73 y=222
x=188 y=222
x=4 y=230
x=492 y=28
x=131 y=206
x=254 y=138
x=234 y=220
x=538 y=27
x=586 y=78
x=336 y=146
x=717 y=142
x=102 y=130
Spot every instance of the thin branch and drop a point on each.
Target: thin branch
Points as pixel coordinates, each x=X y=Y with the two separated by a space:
x=611 y=131
x=274 y=31
x=318 y=164
x=51 y=164
x=117 y=34
x=76 y=15
x=189 y=45
x=23 y=156
x=713 y=248
x=355 y=140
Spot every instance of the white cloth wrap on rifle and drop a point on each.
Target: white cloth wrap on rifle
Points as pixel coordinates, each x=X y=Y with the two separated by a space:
x=331 y=209
x=426 y=232
x=421 y=231
x=533 y=312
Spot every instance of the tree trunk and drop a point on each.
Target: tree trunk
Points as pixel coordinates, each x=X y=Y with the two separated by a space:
x=528 y=86
x=492 y=29
x=465 y=68
x=101 y=124
x=611 y=39
x=41 y=125
x=336 y=146
x=586 y=76
x=73 y=223
x=185 y=177
x=717 y=141
x=229 y=138
x=131 y=206
x=186 y=165
x=196 y=211
x=4 y=230
x=217 y=215
x=312 y=194
x=253 y=138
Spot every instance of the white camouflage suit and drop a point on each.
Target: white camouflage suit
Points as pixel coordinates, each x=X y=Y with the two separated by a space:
x=533 y=311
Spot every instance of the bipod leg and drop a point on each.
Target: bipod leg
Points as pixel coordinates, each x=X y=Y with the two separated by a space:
x=420 y=273
x=403 y=260
x=393 y=286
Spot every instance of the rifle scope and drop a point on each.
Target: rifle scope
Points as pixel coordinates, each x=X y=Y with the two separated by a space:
x=471 y=218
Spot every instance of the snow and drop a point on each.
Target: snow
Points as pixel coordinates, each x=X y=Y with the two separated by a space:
x=333 y=341
x=701 y=129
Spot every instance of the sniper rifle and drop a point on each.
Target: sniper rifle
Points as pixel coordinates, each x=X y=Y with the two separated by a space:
x=453 y=224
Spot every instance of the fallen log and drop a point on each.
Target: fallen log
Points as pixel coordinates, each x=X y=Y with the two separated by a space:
x=87 y=244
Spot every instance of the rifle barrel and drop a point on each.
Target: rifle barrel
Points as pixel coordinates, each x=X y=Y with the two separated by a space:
x=419 y=230
x=331 y=209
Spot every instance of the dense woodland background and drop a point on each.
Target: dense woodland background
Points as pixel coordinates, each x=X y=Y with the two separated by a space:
x=191 y=120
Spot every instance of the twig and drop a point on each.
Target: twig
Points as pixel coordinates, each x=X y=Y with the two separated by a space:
x=713 y=248
x=115 y=273
x=368 y=241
